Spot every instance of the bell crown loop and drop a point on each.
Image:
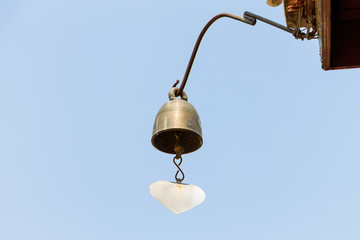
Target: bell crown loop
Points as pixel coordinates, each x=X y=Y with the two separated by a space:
x=172 y=94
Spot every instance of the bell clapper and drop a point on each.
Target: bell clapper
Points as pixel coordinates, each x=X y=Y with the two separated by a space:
x=179 y=147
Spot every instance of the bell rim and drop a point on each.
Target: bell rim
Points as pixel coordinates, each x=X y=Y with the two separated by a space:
x=175 y=129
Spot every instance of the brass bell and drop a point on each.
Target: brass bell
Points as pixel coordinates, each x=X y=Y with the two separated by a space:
x=177 y=124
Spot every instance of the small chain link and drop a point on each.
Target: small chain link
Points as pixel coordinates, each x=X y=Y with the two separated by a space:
x=178 y=180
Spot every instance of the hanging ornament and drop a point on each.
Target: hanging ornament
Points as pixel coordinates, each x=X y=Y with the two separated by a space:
x=177 y=130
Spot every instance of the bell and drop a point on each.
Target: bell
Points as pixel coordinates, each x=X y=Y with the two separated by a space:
x=177 y=124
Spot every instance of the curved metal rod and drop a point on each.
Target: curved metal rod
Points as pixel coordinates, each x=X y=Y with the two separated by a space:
x=245 y=19
x=249 y=18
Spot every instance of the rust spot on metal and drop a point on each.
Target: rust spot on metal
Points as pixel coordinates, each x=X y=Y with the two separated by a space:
x=294 y=5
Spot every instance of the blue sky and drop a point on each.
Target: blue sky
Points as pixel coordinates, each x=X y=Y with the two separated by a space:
x=82 y=81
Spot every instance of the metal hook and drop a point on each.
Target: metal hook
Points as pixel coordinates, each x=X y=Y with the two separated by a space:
x=177 y=81
x=178 y=180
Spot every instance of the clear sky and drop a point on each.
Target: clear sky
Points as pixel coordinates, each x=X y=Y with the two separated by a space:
x=81 y=83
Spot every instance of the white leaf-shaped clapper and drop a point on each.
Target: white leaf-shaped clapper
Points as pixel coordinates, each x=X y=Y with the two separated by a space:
x=177 y=197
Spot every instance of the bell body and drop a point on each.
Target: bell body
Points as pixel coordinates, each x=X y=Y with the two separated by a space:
x=177 y=118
